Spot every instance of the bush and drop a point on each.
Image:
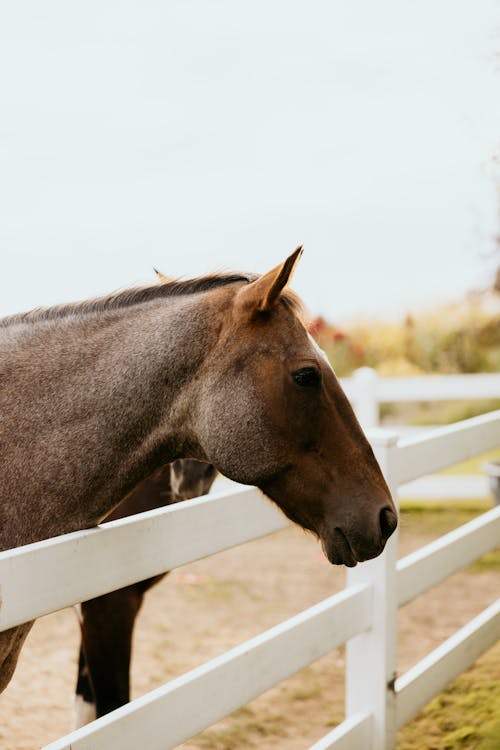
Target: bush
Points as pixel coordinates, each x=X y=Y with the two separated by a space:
x=458 y=338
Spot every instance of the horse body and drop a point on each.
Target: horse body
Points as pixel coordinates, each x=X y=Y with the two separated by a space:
x=107 y=622
x=91 y=405
x=96 y=396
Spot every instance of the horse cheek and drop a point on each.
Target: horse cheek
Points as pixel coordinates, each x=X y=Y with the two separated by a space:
x=236 y=435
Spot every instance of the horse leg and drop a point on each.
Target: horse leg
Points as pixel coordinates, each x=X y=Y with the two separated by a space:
x=107 y=626
x=84 y=707
x=11 y=642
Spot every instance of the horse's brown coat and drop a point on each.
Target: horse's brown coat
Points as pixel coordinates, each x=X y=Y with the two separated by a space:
x=95 y=396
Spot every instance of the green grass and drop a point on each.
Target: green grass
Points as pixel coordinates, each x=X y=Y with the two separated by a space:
x=464 y=717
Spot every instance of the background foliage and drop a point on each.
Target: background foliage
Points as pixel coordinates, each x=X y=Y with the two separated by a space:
x=462 y=337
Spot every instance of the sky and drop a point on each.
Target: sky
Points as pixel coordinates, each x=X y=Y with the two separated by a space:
x=196 y=136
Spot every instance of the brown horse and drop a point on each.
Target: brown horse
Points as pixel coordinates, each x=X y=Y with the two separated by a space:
x=95 y=396
x=107 y=622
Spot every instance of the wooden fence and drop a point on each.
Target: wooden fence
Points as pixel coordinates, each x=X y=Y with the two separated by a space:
x=46 y=576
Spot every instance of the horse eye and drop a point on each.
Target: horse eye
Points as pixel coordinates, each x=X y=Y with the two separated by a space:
x=307 y=377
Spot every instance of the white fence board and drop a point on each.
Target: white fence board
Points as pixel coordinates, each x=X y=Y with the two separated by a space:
x=366 y=390
x=446 y=446
x=451 y=487
x=173 y=713
x=438 y=387
x=433 y=673
x=352 y=734
x=422 y=387
x=436 y=561
x=85 y=564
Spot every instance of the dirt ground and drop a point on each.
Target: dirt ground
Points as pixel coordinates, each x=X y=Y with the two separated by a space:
x=207 y=607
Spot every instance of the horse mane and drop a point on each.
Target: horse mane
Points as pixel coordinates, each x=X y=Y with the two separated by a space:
x=139 y=295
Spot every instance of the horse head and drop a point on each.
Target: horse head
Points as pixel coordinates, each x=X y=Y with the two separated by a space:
x=272 y=413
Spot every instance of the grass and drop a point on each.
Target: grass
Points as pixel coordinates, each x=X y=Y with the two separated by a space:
x=465 y=716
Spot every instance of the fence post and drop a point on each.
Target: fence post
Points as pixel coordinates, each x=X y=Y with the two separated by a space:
x=365 y=396
x=371 y=656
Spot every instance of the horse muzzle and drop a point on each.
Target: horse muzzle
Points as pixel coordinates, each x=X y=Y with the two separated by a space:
x=343 y=546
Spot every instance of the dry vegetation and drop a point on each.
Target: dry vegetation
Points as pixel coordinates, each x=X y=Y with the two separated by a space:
x=457 y=338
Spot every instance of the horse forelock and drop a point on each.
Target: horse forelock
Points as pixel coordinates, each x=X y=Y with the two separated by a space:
x=139 y=295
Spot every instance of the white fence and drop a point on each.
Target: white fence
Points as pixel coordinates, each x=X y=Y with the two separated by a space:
x=367 y=390
x=49 y=575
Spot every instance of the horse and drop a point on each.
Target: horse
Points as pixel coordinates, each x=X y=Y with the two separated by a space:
x=107 y=622
x=97 y=395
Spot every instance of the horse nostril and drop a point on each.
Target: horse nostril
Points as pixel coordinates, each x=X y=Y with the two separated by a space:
x=388 y=522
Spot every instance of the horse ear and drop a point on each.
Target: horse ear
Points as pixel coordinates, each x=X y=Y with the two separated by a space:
x=161 y=277
x=263 y=293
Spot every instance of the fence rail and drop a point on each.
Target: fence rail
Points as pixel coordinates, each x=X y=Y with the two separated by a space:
x=446 y=446
x=85 y=564
x=352 y=734
x=65 y=570
x=367 y=390
x=438 y=560
x=165 y=718
x=433 y=673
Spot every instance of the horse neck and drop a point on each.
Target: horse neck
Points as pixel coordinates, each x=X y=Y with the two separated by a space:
x=95 y=404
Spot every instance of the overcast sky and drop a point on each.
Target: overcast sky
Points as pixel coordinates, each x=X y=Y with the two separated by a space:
x=195 y=136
